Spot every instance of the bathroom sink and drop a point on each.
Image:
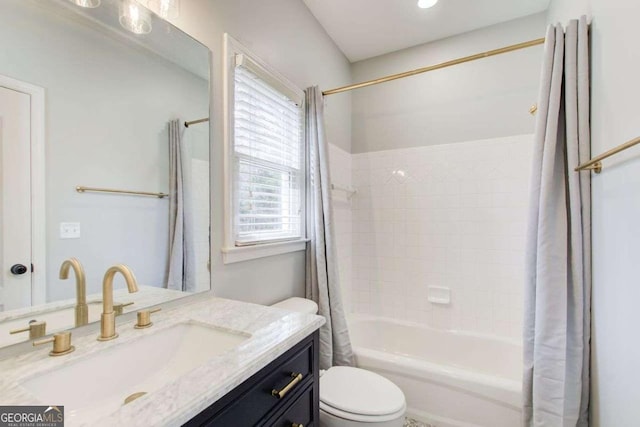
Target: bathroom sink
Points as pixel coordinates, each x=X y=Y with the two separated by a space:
x=99 y=384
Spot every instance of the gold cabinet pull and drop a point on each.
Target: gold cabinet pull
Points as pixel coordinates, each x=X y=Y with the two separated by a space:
x=282 y=393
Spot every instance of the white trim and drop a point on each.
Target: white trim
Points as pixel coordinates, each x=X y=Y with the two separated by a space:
x=246 y=253
x=227 y=95
x=270 y=76
x=38 y=186
x=233 y=52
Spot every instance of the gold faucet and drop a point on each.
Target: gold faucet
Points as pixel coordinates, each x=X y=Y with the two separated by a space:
x=144 y=318
x=61 y=343
x=36 y=329
x=119 y=307
x=108 y=317
x=82 y=311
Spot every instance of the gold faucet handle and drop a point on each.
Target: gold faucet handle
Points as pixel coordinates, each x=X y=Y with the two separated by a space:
x=61 y=343
x=36 y=329
x=119 y=308
x=144 y=318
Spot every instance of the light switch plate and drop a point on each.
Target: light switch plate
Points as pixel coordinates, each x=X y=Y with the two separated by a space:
x=69 y=230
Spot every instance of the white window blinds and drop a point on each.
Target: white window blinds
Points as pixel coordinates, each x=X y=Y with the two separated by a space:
x=268 y=161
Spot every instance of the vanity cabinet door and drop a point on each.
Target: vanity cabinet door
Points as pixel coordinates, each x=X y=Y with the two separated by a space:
x=253 y=402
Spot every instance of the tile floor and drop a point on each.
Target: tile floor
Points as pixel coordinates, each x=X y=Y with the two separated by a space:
x=410 y=422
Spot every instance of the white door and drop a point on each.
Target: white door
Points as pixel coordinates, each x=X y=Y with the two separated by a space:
x=15 y=199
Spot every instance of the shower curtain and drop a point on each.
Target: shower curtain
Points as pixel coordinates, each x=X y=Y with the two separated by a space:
x=182 y=267
x=322 y=284
x=558 y=257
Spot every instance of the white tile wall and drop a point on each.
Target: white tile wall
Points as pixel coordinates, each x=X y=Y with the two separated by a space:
x=450 y=215
x=340 y=165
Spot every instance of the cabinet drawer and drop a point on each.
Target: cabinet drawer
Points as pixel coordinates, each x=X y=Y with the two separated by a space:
x=299 y=413
x=254 y=401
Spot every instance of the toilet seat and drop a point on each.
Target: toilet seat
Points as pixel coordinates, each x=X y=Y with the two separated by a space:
x=360 y=395
x=361 y=418
x=300 y=305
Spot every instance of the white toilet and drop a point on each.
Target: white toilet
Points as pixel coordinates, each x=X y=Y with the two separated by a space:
x=353 y=397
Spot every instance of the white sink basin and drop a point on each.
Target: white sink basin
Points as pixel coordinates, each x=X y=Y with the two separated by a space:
x=98 y=385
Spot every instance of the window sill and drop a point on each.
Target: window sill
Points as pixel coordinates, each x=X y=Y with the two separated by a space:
x=246 y=253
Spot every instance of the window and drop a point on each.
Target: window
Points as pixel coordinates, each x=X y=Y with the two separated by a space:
x=266 y=156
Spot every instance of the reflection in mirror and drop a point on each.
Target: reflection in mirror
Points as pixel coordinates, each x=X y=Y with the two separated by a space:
x=96 y=165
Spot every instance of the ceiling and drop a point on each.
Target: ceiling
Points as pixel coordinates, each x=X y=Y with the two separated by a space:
x=366 y=28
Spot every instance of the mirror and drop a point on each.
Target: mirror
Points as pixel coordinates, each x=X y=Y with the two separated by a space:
x=96 y=161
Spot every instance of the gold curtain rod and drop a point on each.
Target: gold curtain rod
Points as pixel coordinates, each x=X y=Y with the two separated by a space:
x=195 y=122
x=458 y=61
x=81 y=189
x=595 y=164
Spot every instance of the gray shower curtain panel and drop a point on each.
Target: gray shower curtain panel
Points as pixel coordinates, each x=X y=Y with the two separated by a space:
x=322 y=279
x=558 y=254
x=181 y=275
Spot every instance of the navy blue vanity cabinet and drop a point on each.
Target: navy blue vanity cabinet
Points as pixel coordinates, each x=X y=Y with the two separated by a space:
x=283 y=394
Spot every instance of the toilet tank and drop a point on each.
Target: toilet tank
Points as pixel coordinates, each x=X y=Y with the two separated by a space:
x=301 y=305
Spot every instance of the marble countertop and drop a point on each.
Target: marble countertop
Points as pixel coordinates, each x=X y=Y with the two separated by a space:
x=272 y=332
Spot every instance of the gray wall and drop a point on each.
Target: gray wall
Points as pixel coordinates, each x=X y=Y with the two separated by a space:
x=487 y=98
x=286 y=35
x=107 y=108
x=615 y=88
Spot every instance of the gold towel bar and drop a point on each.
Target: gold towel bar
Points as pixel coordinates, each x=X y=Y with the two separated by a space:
x=595 y=164
x=195 y=122
x=81 y=189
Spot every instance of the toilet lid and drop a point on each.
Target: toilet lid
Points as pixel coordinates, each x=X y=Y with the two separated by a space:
x=360 y=392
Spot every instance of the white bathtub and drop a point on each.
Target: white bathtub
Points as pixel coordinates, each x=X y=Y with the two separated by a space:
x=449 y=378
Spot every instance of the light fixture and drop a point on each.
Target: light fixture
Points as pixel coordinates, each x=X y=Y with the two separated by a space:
x=167 y=9
x=90 y=4
x=426 y=4
x=134 y=17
